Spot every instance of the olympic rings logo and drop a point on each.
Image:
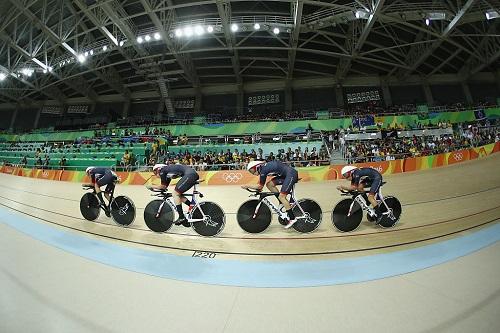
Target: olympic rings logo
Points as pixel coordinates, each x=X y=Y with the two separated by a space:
x=232 y=177
x=378 y=168
x=458 y=156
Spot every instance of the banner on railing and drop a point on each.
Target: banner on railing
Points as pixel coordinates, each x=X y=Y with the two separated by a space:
x=242 y=177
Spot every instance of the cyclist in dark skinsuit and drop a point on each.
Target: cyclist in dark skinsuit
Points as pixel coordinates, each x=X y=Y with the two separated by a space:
x=188 y=179
x=361 y=177
x=100 y=177
x=284 y=175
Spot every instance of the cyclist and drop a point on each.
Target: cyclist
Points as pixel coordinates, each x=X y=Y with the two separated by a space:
x=361 y=177
x=99 y=177
x=188 y=175
x=284 y=175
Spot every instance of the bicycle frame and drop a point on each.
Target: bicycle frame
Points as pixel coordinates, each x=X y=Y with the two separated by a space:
x=92 y=187
x=278 y=210
x=167 y=200
x=365 y=206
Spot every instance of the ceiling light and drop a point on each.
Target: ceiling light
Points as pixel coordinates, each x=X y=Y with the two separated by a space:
x=81 y=58
x=199 y=30
x=157 y=36
x=105 y=47
x=427 y=21
x=91 y=52
x=276 y=31
x=210 y=28
x=178 y=32
x=492 y=14
x=362 y=14
x=2 y=76
x=139 y=40
x=188 y=31
x=50 y=69
x=44 y=71
x=147 y=38
x=256 y=26
x=234 y=27
x=436 y=16
x=86 y=53
x=122 y=42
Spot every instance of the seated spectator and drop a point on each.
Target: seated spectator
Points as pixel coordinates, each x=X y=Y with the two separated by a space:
x=62 y=162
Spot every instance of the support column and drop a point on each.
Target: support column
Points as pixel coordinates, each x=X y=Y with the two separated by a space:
x=288 y=96
x=37 y=118
x=467 y=94
x=497 y=79
x=13 y=119
x=126 y=108
x=386 y=94
x=428 y=94
x=240 y=102
x=339 y=94
x=198 y=101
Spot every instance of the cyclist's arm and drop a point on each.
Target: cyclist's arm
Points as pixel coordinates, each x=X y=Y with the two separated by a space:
x=165 y=181
x=351 y=187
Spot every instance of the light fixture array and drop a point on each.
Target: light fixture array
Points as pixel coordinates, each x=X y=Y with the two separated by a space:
x=199 y=30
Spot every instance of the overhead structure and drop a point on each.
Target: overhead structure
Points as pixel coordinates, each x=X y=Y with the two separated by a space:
x=92 y=51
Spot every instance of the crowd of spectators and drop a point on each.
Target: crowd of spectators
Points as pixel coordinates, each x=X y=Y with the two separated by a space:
x=235 y=159
x=464 y=136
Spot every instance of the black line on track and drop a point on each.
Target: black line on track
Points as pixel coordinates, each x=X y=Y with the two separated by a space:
x=244 y=238
x=326 y=211
x=260 y=254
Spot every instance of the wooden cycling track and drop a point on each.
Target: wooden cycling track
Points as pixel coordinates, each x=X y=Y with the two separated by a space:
x=438 y=204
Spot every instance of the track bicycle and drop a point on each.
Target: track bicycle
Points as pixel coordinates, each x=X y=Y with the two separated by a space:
x=205 y=217
x=348 y=213
x=121 y=208
x=254 y=216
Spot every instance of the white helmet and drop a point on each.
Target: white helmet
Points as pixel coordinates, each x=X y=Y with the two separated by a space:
x=347 y=170
x=90 y=168
x=157 y=167
x=254 y=164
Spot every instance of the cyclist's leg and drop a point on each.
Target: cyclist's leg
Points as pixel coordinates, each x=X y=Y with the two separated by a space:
x=183 y=185
x=374 y=188
x=271 y=185
x=286 y=188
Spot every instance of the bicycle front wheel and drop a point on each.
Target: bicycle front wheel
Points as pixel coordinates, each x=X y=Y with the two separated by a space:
x=249 y=222
x=158 y=222
x=89 y=207
x=343 y=222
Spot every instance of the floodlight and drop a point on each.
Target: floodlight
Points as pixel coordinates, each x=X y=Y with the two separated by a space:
x=199 y=30
x=188 y=31
x=492 y=14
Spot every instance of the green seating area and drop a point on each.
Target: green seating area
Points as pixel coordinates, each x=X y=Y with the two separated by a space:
x=266 y=147
x=76 y=157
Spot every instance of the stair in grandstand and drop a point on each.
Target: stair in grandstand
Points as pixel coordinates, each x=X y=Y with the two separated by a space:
x=336 y=157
